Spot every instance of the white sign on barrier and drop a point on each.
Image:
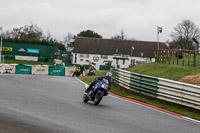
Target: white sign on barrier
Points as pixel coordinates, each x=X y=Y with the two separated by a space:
x=27 y=58
x=1 y=69
x=69 y=71
x=8 y=68
x=40 y=69
x=56 y=61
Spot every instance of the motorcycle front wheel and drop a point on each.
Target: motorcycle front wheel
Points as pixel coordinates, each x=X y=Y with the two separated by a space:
x=97 y=98
x=85 y=98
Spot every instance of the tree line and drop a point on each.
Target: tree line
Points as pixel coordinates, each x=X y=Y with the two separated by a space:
x=185 y=35
x=182 y=37
x=33 y=34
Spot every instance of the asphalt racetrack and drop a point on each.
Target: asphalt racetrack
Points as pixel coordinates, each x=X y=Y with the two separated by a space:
x=53 y=104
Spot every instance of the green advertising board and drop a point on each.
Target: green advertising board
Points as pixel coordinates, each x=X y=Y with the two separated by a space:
x=57 y=70
x=23 y=69
x=105 y=67
x=44 y=52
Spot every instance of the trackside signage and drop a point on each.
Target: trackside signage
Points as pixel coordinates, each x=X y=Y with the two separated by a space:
x=22 y=50
x=35 y=51
x=40 y=69
x=27 y=58
x=23 y=69
x=64 y=55
x=5 y=49
x=57 y=70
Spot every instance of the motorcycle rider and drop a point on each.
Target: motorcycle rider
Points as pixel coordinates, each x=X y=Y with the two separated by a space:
x=108 y=76
x=82 y=68
x=78 y=70
x=91 y=70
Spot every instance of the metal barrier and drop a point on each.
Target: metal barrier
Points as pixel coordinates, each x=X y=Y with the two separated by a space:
x=139 y=83
x=179 y=92
x=167 y=90
x=37 y=69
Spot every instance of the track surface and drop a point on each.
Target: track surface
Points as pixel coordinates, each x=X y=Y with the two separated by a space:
x=49 y=104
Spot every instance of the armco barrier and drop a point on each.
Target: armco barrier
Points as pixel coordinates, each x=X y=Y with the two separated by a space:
x=179 y=92
x=167 y=90
x=57 y=70
x=40 y=69
x=23 y=69
x=143 y=84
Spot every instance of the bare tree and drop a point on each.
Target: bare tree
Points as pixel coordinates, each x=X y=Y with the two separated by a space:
x=48 y=37
x=116 y=37
x=6 y=34
x=183 y=34
x=68 y=41
x=120 y=36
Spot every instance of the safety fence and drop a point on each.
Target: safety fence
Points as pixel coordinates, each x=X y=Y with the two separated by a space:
x=36 y=69
x=163 y=89
x=44 y=53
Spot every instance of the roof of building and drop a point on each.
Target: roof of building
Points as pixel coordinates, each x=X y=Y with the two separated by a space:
x=111 y=46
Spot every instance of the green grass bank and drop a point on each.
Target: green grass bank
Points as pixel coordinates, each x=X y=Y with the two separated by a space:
x=173 y=72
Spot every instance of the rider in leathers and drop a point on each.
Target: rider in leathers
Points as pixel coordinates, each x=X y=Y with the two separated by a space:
x=108 y=76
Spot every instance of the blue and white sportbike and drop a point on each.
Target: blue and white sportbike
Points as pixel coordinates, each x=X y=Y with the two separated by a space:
x=96 y=94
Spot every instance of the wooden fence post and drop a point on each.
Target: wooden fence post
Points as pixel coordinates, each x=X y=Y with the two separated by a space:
x=173 y=56
x=183 y=57
x=165 y=56
x=162 y=57
x=169 y=58
x=177 y=56
x=194 y=65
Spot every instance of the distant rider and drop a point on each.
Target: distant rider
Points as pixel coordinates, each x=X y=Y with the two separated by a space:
x=82 y=68
x=92 y=68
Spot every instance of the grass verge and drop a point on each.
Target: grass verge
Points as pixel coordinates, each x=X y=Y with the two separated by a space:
x=117 y=90
x=173 y=72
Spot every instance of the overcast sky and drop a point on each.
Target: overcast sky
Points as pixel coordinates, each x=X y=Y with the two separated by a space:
x=138 y=18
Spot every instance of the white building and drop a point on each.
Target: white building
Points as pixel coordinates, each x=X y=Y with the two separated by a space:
x=117 y=53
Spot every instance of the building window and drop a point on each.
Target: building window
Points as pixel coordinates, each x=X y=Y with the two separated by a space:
x=104 y=56
x=108 y=63
x=86 y=55
x=83 y=55
x=123 y=62
x=81 y=59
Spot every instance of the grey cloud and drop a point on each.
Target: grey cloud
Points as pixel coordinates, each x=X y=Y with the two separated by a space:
x=138 y=18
